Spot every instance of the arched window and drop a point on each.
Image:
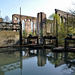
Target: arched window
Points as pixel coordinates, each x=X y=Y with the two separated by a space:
x=16 y=18
x=60 y=19
x=35 y=26
x=23 y=25
x=31 y=26
x=29 y=20
x=25 y=19
x=64 y=20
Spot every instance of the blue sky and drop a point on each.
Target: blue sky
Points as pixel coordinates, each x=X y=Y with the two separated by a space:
x=32 y=7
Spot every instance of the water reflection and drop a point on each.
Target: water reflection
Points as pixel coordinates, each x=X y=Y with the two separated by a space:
x=59 y=59
x=21 y=62
x=9 y=61
x=41 y=58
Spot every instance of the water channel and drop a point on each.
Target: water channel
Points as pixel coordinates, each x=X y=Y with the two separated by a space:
x=28 y=61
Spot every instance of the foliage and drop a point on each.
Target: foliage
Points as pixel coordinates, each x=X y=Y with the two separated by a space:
x=24 y=33
x=6 y=19
x=72 y=10
x=62 y=28
x=30 y=32
x=51 y=17
x=54 y=17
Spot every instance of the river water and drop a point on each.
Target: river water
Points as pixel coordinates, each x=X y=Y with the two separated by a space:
x=36 y=62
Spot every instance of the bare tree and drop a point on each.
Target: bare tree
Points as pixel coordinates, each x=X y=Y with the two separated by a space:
x=72 y=10
x=6 y=19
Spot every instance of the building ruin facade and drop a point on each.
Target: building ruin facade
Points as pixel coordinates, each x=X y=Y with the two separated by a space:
x=31 y=25
x=28 y=22
x=67 y=19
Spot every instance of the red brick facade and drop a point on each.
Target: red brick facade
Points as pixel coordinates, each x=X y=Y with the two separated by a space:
x=27 y=20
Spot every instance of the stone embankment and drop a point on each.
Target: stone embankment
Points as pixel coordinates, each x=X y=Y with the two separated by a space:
x=9 y=38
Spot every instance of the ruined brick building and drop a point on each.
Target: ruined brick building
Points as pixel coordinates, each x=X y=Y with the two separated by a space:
x=67 y=19
x=30 y=24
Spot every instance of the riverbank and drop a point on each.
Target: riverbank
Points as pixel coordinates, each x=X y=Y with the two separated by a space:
x=9 y=38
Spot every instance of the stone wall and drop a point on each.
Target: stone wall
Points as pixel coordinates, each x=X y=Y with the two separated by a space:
x=28 y=19
x=8 y=38
x=64 y=14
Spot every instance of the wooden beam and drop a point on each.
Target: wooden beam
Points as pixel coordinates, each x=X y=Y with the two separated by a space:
x=9 y=29
x=29 y=45
x=9 y=23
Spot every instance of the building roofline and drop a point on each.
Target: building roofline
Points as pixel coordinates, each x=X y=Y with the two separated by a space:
x=64 y=12
x=24 y=16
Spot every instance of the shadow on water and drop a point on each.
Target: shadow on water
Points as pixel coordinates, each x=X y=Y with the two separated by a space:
x=21 y=62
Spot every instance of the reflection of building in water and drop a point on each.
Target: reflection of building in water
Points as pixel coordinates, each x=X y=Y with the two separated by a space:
x=41 y=58
x=56 y=58
x=70 y=59
x=59 y=59
x=26 y=53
